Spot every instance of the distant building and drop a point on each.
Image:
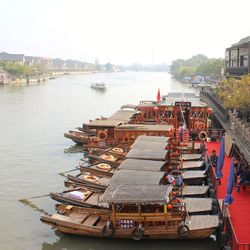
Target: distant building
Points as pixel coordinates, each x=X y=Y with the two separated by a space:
x=15 y=58
x=198 y=78
x=237 y=58
x=29 y=60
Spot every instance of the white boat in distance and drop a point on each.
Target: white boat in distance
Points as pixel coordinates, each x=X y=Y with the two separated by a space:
x=98 y=85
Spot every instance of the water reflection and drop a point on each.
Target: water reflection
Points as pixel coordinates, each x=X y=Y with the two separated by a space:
x=74 y=149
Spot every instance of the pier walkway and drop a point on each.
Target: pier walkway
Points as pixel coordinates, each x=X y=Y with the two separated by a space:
x=239 y=214
x=238 y=131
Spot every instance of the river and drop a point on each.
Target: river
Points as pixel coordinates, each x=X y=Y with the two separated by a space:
x=33 y=151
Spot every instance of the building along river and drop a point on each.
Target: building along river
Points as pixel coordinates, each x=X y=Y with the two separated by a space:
x=33 y=151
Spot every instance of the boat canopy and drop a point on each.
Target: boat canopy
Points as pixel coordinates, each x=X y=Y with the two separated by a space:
x=152 y=138
x=119 y=117
x=148 y=154
x=149 y=145
x=137 y=193
x=144 y=127
x=128 y=106
x=142 y=165
x=123 y=177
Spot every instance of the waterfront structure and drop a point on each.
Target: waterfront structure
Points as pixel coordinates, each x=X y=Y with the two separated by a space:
x=237 y=58
x=3 y=75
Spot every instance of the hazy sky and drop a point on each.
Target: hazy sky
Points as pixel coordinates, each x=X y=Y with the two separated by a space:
x=122 y=31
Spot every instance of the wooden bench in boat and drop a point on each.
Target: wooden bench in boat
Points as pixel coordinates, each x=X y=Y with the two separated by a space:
x=91 y=220
x=78 y=217
x=73 y=218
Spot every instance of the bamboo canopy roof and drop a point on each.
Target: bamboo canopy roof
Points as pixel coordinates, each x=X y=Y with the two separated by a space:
x=123 y=177
x=144 y=127
x=153 y=138
x=147 y=154
x=192 y=164
x=119 y=117
x=149 y=145
x=190 y=157
x=142 y=165
x=133 y=194
x=194 y=174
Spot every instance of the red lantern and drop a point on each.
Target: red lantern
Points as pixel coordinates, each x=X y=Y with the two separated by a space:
x=209 y=111
x=169 y=206
x=156 y=108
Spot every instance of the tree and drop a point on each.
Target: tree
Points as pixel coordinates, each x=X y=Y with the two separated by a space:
x=109 y=67
x=234 y=94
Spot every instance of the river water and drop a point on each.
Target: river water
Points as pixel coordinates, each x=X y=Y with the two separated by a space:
x=33 y=151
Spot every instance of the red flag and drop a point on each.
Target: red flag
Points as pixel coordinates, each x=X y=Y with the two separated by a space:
x=158 y=96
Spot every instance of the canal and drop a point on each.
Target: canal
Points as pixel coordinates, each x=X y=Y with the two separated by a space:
x=33 y=151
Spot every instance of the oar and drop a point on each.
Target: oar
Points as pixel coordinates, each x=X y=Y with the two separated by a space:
x=30 y=204
x=34 y=197
x=63 y=173
x=74 y=169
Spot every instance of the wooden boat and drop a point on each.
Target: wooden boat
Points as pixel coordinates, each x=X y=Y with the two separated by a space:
x=80 y=196
x=175 y=109
x=106 y=157
x=129 y=132
x=77 y=136
x=100 y=169
x=104 y=128
x=98 y=86
x=138 y=212
x=85 y=197
x=91 y=180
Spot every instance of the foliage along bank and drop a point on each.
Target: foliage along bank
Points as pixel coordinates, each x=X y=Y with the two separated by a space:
x=197 y=64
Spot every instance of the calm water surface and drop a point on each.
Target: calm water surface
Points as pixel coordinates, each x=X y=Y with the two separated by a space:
x=32 y=152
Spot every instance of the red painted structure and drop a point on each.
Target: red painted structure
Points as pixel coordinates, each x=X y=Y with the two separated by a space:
x=238 y=220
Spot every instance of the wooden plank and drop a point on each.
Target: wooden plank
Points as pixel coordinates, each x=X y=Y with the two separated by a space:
x=101 y=223
x=78 y=217
x=91 y=220
x=94 y=199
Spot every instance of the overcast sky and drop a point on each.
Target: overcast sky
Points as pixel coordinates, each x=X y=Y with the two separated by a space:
x=122 y=31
